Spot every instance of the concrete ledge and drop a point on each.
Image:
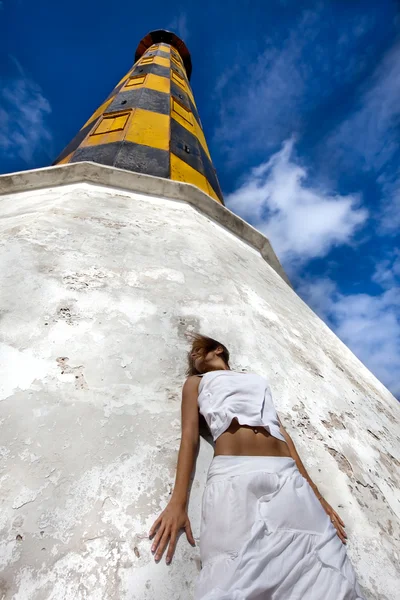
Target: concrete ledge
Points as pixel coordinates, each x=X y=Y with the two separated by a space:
x=89 y=172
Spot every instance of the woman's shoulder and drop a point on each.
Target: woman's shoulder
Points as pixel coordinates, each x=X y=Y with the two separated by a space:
x=192 y=380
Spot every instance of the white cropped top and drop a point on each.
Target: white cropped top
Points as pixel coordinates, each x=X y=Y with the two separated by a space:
x=225 y=394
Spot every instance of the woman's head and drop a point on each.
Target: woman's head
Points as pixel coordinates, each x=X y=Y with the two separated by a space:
x=206 y=354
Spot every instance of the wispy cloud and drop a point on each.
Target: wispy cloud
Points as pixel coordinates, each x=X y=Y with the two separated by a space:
x=389 y=217
x=387 y=271
x=302 y=222
x=179 y=25
x=256 y=114
x=368 y=325
x=337 y=93
x=264 y=98
x=23 y=113
x=369 y=137
x=370 y=133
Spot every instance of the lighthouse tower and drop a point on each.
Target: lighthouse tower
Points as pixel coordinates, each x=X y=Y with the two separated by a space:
x=109 y=259
x=149 y=123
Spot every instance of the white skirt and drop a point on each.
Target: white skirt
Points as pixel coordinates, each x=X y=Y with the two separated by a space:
x=265 y=536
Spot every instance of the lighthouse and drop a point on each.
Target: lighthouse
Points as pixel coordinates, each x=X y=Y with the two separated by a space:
x=110 y=259
x=150 y=123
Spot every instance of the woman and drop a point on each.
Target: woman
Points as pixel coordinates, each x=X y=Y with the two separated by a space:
x=266 y=531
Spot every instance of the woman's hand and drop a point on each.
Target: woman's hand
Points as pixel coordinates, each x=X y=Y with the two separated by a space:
x=336 y=520
x=171 y=520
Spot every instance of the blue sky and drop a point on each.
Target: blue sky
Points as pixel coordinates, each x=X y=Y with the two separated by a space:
x=300 y=105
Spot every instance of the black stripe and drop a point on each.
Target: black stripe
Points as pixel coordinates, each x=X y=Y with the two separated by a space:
x=152 y=68
x=141 y=97
x=210 y=173
x=187 y=147
x=163 y=54
x=105 y=154
x=195 y=112
x=144 y=159
x=116 y=90
x=181 y=96
x=74 y=143
x=128 y=156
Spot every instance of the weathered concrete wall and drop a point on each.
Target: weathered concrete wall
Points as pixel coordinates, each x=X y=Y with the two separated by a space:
x=99 y=287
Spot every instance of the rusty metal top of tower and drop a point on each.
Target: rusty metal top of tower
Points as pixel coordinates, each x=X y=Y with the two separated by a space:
x=162 y=35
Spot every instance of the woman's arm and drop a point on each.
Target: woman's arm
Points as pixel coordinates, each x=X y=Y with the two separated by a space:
x=189 y=441
x=295 y=455
x=175 y=517
x=336 y=520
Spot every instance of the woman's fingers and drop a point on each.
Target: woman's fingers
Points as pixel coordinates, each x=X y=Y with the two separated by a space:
x=154 y=526
x=167 y=534
x=159 y=534
x=339 y=529
x=338 y=518
x=341 y=535
x=342 y=532
x=162 y=544
x=189 y=533
x=171 y=546
x=340 y=525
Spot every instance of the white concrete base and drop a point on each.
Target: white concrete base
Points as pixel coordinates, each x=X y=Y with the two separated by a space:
x=99 y=287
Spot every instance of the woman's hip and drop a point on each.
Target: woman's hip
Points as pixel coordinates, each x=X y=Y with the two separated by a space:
x=246 y=495
x=226 y=466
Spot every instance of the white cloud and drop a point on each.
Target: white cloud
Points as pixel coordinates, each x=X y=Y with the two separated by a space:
x=263 y=101
x=302 y=222
x=368 y=325
x=179 y=25
x=23 y=112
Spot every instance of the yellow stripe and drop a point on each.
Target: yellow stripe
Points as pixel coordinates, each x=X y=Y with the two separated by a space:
x=154 y=60
x=151 y=81
x=200 y=136
x=155 y=82
x=181 y=171
x=165 y=48
x=181 y=113
x=66 y=159
x=105 y=138
x=99 y=111
x=212 y=193
x=111 y=128
x=175 y=60
x=149 y=128
x=110 y=123
x=190 y=93
x=175 y=53
x=136 y=81
x=160 y=60
x=123 y=79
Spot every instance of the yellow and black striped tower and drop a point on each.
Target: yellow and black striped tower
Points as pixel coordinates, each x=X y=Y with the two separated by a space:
x=149 y=123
